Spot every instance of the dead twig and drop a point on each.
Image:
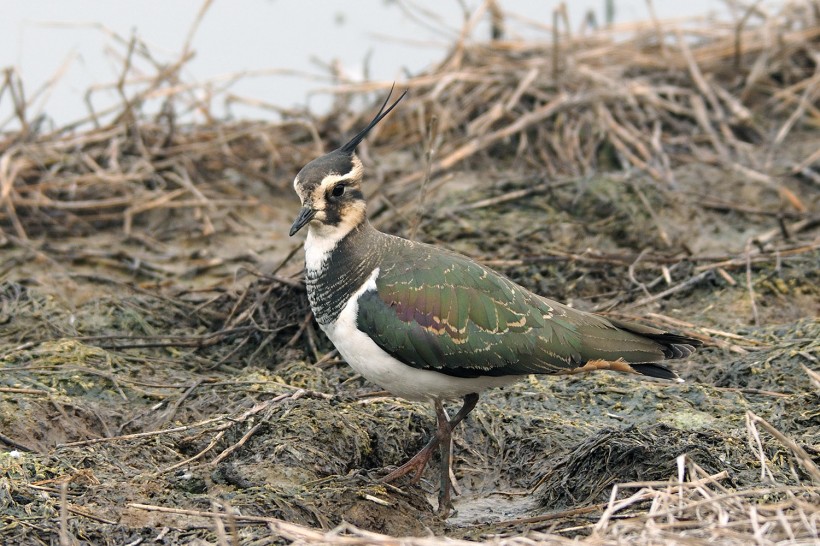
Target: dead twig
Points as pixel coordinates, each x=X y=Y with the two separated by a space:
x=803 y=458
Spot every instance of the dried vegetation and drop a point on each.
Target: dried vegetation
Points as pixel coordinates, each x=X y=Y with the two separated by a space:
x=161 y=377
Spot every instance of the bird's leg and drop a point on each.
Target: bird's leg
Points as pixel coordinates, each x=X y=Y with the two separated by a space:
x=443 y=429
x=444 y=432
x=420 y=459
x=417 y=463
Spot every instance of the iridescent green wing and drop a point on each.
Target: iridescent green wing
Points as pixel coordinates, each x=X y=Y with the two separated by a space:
x=438 y=310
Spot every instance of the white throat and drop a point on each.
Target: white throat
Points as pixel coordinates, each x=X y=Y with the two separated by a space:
x=320 y=242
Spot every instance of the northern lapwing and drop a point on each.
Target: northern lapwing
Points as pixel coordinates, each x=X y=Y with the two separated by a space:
x=426 y=323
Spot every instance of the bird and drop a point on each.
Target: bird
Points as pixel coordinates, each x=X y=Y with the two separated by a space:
x=429 y=324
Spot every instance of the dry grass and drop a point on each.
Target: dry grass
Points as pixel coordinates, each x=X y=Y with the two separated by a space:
x=687 y=511
x=645 y=97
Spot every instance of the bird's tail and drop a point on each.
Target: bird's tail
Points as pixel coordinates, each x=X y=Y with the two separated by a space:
x=673 y=345
x=636 y=348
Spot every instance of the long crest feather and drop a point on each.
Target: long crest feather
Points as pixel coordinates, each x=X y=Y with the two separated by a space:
x=350 y=147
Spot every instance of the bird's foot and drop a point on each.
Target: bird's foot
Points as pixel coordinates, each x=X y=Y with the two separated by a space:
x=417 y=463
x=445 y=504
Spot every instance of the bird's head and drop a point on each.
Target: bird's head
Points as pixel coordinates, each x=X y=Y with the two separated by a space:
x=330 y=186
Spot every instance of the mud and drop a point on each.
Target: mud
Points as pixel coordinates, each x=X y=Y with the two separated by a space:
x=206 y=339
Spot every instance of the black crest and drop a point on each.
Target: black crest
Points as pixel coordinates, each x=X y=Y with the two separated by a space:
x=350 y=147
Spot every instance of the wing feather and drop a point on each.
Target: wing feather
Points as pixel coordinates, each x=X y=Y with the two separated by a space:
x=450 y=314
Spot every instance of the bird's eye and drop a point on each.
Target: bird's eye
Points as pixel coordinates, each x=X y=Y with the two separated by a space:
x=338 y=191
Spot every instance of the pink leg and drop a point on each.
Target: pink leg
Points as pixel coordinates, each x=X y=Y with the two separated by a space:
x=440 y=439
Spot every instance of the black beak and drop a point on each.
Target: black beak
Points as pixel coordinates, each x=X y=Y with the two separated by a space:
x=305 y=216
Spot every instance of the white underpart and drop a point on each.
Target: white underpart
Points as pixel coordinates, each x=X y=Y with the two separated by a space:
x=402 y=380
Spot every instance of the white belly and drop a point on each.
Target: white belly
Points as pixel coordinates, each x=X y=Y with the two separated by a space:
x=402 y=380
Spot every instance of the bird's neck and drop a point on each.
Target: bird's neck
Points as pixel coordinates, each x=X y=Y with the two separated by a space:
x=337 y=265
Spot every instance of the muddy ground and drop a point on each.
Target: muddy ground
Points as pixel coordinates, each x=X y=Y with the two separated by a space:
x=179 y=370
